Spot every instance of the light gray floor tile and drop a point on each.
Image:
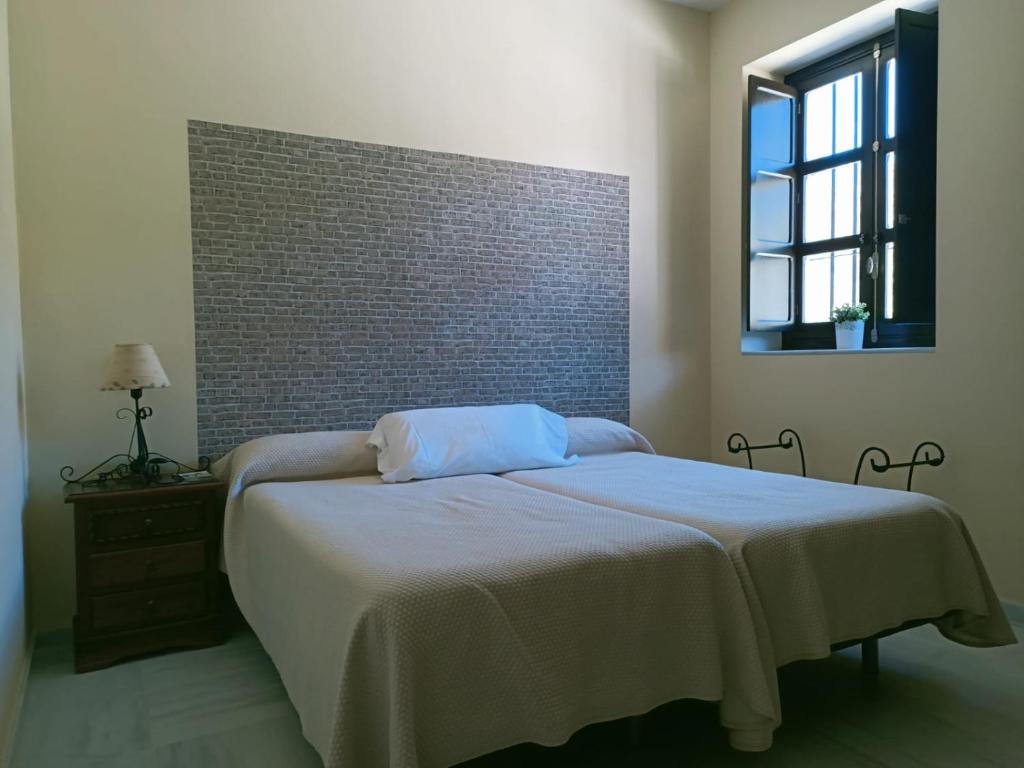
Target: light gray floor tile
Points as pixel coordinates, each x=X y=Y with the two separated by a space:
x=276 y=743
x=212 y=690
x=935 y=704
x=93 y=715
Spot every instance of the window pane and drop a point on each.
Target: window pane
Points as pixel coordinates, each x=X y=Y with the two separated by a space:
x=890 y=98
x=830 y=279
x=890 y=304
x=890 y=190
x=817 y=288
x=848 y=123
x=832 y=120
x=818 y=206
x=844 y=278
x=818 y=122
x=832 y=203
x=847 y=200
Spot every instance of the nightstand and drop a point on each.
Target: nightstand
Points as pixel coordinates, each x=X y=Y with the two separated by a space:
x=146 y=565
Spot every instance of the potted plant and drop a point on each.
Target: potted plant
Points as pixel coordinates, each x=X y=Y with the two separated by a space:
x=849 y=320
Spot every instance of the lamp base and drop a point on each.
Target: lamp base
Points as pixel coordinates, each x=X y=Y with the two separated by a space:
x=125 y=470
x=144 y=468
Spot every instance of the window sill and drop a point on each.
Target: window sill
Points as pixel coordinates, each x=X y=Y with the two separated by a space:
x=871 y=351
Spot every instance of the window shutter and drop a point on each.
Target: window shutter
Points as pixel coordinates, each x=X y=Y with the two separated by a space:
x=917 y=47
x=771 y=204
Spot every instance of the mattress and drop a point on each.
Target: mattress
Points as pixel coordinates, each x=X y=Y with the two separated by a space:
x=821 y=563
x=426 y=623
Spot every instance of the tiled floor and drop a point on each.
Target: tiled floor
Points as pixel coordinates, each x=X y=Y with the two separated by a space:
x=935 y=704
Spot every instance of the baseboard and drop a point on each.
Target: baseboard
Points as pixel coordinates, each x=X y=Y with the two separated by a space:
x=10 y=736
x=1014 y=611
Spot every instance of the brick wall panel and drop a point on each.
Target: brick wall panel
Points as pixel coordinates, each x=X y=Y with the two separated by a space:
x=335 y=281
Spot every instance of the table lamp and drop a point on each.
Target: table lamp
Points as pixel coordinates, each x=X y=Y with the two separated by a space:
x=135 y=367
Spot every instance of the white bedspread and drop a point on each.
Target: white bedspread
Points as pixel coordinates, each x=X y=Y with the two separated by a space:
x=425 y=623
x=821 y=562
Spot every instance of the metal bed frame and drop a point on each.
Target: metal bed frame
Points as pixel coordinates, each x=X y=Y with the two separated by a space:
x=886 y=464
x=738 y=443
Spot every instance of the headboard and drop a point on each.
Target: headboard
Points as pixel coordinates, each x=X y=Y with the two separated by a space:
x=335 y=281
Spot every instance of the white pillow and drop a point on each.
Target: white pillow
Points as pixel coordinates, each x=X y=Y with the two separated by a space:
x=589 y=436
x=439 y=442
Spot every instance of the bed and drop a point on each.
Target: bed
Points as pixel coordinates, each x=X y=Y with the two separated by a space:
x=425 y=623
x=823 y=564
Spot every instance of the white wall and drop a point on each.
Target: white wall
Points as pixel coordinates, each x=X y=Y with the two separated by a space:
x=13 y=634
x=102 y=92
x=967 y=395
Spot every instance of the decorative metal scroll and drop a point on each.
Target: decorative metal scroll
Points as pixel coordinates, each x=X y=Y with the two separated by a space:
x=933 y=456
x=120 y=468
x=737 y=443
x=146 y=467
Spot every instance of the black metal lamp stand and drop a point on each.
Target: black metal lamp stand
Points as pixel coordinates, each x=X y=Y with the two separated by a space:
x=139 y=465
x=144 y=467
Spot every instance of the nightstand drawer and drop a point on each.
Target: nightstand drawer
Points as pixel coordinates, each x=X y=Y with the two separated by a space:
x=149 y=606
x=137 y=566
x=121 y=524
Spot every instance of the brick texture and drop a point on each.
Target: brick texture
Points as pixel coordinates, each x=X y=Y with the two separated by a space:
x=335 y=281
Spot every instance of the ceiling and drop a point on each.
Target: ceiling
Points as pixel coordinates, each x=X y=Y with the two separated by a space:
x=703 y=5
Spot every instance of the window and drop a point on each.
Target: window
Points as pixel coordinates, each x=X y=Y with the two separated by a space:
x=841 y=192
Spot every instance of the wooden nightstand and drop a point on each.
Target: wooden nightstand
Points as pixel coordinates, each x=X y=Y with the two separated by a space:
x=146 y=564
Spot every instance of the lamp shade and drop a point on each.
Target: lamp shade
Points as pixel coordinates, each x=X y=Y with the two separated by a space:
x=135 y=366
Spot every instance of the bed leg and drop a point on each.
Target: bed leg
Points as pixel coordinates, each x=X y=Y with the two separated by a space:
x=869 y=657
x=636 y=726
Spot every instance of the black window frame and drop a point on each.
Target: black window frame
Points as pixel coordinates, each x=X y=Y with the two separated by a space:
x=890 y=333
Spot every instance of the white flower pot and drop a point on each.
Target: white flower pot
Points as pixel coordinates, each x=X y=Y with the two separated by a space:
x=850 y=335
